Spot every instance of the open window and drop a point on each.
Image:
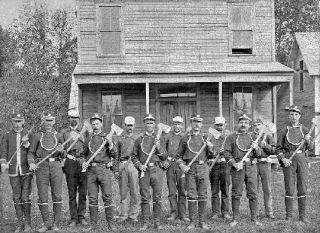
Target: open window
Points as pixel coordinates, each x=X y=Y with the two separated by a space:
x=111 y=109
x=242 y=102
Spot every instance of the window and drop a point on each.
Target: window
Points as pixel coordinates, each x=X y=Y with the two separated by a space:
x=240 y=24
x=301 y=76
x=109 y=31
x=242 y=102
x=111 y=108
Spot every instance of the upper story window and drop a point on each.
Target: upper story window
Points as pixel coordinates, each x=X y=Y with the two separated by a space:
x=241 y=29
x=301 y=84
x=109 y=31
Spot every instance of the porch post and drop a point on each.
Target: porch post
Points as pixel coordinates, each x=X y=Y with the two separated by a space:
x=220 y=99
x=147 y=98
x=274 y=107
x=291 y=93
x=317 y=110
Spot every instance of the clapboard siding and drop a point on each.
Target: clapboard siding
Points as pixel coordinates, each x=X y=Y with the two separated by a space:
x=175 y=32
x=89 y=100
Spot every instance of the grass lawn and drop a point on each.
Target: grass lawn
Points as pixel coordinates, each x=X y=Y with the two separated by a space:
x=278 y=225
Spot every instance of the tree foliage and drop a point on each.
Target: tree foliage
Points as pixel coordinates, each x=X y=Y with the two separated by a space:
x=294 y=16
x=41 y=58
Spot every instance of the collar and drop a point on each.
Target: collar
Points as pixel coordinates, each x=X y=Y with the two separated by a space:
x=149 y=134
x=17 y=131
x=195 y=134
x=242 y=133
x=177 y=134
x=295 y=126
x=74 y=128
x=96 y=133
x=51 y=131
x=125 y=135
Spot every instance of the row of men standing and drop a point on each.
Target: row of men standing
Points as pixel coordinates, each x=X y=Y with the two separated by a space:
x=129 y=152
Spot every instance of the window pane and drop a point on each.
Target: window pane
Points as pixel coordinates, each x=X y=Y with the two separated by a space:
x=115 y=23
x=110 y=42
x=105 y=20
x=242 y=40
x=240 y=17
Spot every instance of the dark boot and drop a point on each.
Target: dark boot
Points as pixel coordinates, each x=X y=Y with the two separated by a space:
x=289 y=207
x=235 y=209
x=109 y=218
x=253 y=209
x=57 y=208
x=157 y=215
x=44 y=209
x=202 y=207
x=192 y=205
x=215 y=203
x=145 y=211
x=93 y=219
x=302 y=204
x=19 y=214
x=27 y=217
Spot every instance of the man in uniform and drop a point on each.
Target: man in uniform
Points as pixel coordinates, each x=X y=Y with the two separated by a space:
x=236 y=146
x=14 y=149
x=220 y=174
x=197 y=175
x=268 y=147
x=176 y=183
x=288 y=141
x=128 y=180
x=153 y=174
x=49 y=172
x=99 y=173
x=76 y=180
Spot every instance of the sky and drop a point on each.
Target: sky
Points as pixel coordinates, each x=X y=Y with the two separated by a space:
x=9 y=8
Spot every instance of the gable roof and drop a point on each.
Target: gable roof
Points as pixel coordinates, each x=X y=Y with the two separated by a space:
x=309 y=44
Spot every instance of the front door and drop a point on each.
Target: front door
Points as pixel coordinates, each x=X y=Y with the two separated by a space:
x=170 y=109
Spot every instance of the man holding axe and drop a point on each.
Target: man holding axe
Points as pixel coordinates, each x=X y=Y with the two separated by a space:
x=241 y=148
x=14 y=149
x=147 y=155
x=293 y=142
x=98 y=152
x=44 y=158
x=220 y=172
x=76 y=180
x=193 y=152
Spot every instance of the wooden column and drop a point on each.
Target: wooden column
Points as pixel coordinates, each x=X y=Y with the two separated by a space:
x=274 y=107
x=147 y=98
x=220 y=99
x=291 y=93
x=157 y=102
x=317 y=110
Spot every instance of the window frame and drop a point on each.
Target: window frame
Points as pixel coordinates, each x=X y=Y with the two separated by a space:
x=100 y=53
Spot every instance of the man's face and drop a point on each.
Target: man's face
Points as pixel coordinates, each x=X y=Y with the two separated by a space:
x=177 y=127
x=258 y=126
x=74 y=121
x=244 y=125
x=219 y=127
x=196 y=125
x=17 y=124
x=129 y=128
x=294 y=117
x=48 y=124
x=96 y=125
x=149 y=125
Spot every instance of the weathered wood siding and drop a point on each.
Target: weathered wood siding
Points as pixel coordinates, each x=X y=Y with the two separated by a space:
x=175 y=32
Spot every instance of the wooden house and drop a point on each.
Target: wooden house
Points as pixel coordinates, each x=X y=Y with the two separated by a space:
x=177 y=57
x=304 y=90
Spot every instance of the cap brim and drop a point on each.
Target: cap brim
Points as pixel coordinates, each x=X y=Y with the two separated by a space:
x=17 y=119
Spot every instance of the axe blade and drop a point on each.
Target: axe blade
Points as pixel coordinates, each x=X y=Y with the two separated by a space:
x=118 y=131
x=270 y=127
x=189 y=128
x=316 y=121
x=215 y=133
x=164 y=128
x=74 y=135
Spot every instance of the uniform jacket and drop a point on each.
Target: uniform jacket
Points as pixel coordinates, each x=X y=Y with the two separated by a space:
x=10 y=146
x=172 y=141
x=77 y=149
x=37 y=152
x=124 y=145
x=269 y=148
x=140 y=155
x=193 y=142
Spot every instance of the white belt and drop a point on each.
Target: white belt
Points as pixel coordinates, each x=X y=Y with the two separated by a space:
x=299 y=151
x=71 y=157
x=246 y=160
x=52 y=159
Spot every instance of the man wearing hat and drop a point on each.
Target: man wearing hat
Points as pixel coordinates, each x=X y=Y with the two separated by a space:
x=99 y=173
x=268 y=147
x=220 y=174
x=14 y=149
x=128 y=174
x=288 y=141
x=236 y=146
x=197 y=175
x=153 y=174
x=76 y=180
x=49 y=172
x=176 y=183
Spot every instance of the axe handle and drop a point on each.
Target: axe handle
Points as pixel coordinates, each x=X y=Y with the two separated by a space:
x=55 y=150
x=197 y=155
x=218 y=156
x=76 y=140
x=95 y=154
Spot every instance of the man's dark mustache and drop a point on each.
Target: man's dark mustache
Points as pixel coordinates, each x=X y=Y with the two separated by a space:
x=73 y=123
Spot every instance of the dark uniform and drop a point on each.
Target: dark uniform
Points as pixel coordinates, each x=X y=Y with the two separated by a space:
x=220 y=180
x=236 y=146
x=176 y=184
x=13 y=150
x=153 y=176
x=76 y=180
x=49 y=173
x=288 y=141
x=197 y=176
x=99 y=174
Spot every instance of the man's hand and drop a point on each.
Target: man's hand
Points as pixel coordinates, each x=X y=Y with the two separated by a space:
x=25 y=140
x=116 y=175
x=157 y=143
x=238 y=166
x=255 y=145
x=210 y=145
x=165 y=164
x=142 y=167
x=110 y=143
x=85 y=165
x=286 y=162
x=4 y=167
x=307 y=137
x=262 y=144
x=32 y=167
x=184 y=168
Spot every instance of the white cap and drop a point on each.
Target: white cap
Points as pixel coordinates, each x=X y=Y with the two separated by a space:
x=129 y=120
x=219 y=121
x=177 y=119
x=73 y=113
